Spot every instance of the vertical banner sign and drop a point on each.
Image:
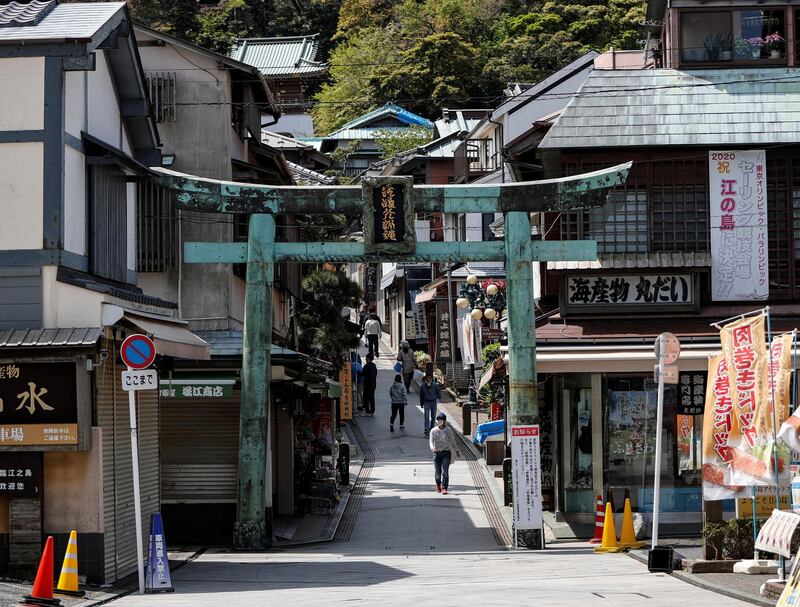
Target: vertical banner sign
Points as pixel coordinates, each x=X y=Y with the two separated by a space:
x=719 y=423
x=527 y=481
x=738 y=221
x=744 y=348
x=443 y=354
x=388 y=215
x=158 y=578
x=346 y=400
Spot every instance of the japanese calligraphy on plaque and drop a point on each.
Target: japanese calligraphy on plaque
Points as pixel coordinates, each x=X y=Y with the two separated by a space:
x=670 y=290
x=443 y=335
x=388 y=217
x=38 y=404
x=691 y=393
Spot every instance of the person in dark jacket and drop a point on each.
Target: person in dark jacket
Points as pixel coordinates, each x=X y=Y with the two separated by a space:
x=429 y=395
x=370 y=383
x=399 y=398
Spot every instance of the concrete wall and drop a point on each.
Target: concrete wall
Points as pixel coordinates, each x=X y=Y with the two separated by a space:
x=68 y=306
x=21 y=192
x=22 y=93
x=72 y=489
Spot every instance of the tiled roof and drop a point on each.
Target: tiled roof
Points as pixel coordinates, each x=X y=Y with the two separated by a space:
x=636 y=261
x=74 y=21
x=230 y=343
x=28 y=338
x=287 y=56
x=747 y=106
x=304 y=176
x=18 y=14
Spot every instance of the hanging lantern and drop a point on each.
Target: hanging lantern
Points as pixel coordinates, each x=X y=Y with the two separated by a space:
x=491 y=290
x=472 y=279
x=490 y=313
x=476 y=314
x=462 y=302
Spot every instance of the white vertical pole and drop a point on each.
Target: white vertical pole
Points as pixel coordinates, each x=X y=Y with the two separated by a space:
x=137 y=500
x=659 y=422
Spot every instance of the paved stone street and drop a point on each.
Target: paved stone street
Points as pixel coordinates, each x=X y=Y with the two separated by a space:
x=412 y=546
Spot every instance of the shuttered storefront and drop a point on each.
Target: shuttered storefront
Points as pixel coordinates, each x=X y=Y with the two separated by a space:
x=199 y=443
x=118 y=509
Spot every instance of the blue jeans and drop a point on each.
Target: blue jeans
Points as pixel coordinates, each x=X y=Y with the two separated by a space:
x=429 y=415
x=441 y=466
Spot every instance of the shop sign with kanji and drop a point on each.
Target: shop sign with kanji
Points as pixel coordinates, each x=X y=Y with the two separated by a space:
x=38 y=404
x=21 y=475
x=443 y=336
x=691 y=393
x=606 y=293
x=196 y=390
x=388 y=216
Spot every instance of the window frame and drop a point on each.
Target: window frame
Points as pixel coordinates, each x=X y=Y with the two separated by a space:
x=734 y=62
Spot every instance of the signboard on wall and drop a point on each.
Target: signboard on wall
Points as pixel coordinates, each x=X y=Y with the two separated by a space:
x=443 y=335
x=527 y=485
x=691 y=393
x=38 y=404
x=21 y=474
x=610 y=293
x=738 y=222
x=346 y=400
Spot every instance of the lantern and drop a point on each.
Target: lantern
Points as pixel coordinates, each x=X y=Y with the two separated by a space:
x=490 y=313
x=472 y=279
x=491 y=289
x=462 y=302
x=476 y=314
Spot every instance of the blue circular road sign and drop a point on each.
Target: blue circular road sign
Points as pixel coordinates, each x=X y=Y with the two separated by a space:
x=138 y=351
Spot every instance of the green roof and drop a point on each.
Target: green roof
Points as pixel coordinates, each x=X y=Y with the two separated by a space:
x=286 y=56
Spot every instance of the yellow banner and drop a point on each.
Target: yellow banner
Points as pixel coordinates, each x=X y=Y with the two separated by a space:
x=346 y=400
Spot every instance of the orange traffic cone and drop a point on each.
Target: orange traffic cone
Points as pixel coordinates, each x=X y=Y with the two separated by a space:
x=42 y=592
x=68 y=580
x=627 y=539
x=598 y=522
x=609 y=543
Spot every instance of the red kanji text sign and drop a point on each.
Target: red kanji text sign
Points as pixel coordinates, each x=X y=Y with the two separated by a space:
x=138 y=351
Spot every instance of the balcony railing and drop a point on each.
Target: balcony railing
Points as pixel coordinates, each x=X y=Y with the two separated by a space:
x=475 y=158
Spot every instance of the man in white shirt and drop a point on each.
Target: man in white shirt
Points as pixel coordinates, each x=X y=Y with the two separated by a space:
x=373 y=329
x=442 y=440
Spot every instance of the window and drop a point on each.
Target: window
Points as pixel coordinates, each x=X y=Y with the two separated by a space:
x=621 y=225
x=740 y=36
x=156 y=233
x=108 y=223
x=163 y=101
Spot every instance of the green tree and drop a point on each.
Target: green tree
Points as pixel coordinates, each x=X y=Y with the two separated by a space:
x=323 y=330
x=392 y=143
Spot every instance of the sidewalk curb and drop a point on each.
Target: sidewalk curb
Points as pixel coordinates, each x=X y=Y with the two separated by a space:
x=695 y=581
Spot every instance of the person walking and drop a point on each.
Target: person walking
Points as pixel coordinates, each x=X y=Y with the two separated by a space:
x=370 y=383
x=406 y=358
x=443 y=445
x=399 y=398
x=429 y=396
x=373 y=330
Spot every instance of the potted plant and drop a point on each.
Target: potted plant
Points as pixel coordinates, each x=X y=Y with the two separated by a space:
x=717 y=45
x=747 y=48
x=756 y=44
x=774 y=43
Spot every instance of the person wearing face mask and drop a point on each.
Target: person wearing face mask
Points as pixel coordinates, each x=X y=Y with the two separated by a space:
x=443 y=445
x=406 y=358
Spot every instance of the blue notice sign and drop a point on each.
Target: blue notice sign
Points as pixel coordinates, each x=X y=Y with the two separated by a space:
x=157 y=578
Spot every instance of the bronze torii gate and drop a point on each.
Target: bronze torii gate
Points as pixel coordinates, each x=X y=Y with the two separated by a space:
x=388 y=206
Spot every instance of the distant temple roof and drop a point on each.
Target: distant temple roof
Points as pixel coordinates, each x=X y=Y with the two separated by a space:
x=276 y=57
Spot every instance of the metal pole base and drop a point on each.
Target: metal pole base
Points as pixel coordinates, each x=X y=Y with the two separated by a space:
x=250 y=535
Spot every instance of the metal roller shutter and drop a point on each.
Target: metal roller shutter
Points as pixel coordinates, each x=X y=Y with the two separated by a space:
x=199 y=449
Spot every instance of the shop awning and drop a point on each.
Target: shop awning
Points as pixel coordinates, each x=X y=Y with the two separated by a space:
x=388 y=278
x=424 y=296
x=172 y=338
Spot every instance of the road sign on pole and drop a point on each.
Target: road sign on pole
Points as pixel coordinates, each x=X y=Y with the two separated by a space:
x=137 y=352
x=139 y=380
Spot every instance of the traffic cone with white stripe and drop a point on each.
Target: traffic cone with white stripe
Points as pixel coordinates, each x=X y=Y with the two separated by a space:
x=68 y=580
x=599 y=517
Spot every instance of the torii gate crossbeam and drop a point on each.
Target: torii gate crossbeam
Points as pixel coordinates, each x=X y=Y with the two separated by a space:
x=253 y=527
